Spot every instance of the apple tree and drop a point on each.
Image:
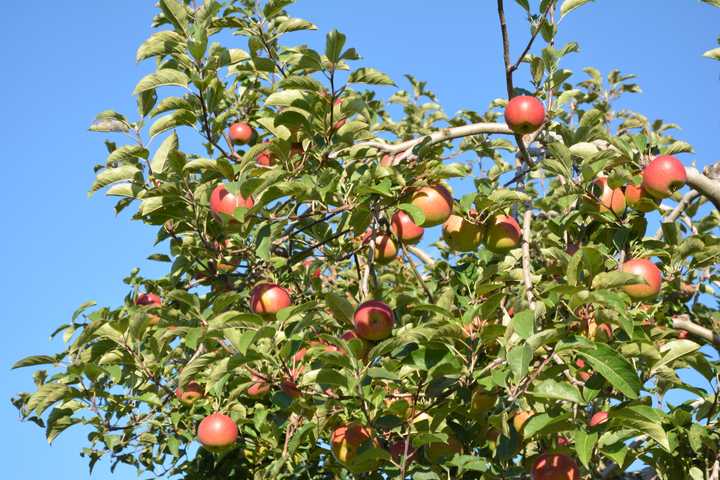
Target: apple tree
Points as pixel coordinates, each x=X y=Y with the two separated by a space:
x=345 y=299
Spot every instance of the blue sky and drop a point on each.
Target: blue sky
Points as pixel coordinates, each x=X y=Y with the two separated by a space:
x=66 y=61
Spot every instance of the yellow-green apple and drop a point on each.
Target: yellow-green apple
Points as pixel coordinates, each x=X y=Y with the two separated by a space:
x=374 y=320
x=435 y=202
x=648 y=271
x=385 y=249
x=524 y=114
x=242 y=133
x=461 y=235
x=502 y=233
x=217 y=431
x=269 y=298
x=404 y=228
x=663 y=176
x=554 y=466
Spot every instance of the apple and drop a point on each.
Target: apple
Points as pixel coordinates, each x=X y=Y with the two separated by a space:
x=603 y=333
x=385 y=249
x=308 y=264
x=435 y=452
x=482 y=401
x=397 y=450
x=259 y=388
x=347 y=441
x=217 y=431
x=387 y=160
x=554 y=466
x=584 y=149
x=352 y=335
x=222 y=201
x=647 y=270
x=144 y=299
x=598 y=418
x=190 y=393
x=265 y=159
x=461 y=235
x=682 y=334
x=404 y=228
x=269 y=298
x=638 y=198
x=521 y=418
x=374 y=320
x=610 y=199
x=524 y=114
x=435 y=202
x=290 y=388
x=502 y=234
x=663 y=176
x=242 y=133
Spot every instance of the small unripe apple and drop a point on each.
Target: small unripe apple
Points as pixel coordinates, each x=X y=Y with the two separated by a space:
x=190 y=393
x=374 y=320
x=217 y=431
x=502 y=234
x=481 y=401
x=610 y=199
x=647 y=270
x=436 y=452
x=269 y=298
x=521 y=418
x=663 y=176
x=347 y=441
x=639 y=199
x=144 y=299
x=385 y=249
x=461 y=235
x=222 y=201
x=404 y=228
x=554 y=466
x=598 y=418
x=242 y=133
x=524 y=114
x=435 y=202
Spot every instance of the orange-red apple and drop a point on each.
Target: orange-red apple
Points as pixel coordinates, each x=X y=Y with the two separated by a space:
x=598 y=418
x=555 y=466
x=347 y=441
x=222 y=201
x=647 y=270
x=242 y=133
x=435 y=202
x=610 y=199
x=217 y=431
x=639 y=199
x=269 y=298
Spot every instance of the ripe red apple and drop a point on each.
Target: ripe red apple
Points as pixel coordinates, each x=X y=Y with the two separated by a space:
x=387 y=160
x=598 y=418
x=646 y=269
x=482 y=401
x=290 y=388
x=385 y=249
x=190 y=393
x=435 y=202
x=436 y=452
x=405 y=229
x=555 y=466
x=222 y=201
x=373 y=320
x=663 y=176
x=638 y=198
x=265 y=158
x=347 y=441
x=148 y=299
x=259 y=388
x=269 y=298
x=242 y=133
x=217 y=431
x=461 y=235
x=610 y=199
x=502 y=234
x=524 y=114
x=682 y=334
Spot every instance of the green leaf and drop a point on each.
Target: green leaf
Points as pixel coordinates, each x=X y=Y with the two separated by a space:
x=519 y=359
x=163 y=77
x=341 y=308
x=334 y=43
x=524 y=323
x=294 y=25
x=616 y=370
x=570 y=5
x=35 y=360
x=369 y=76
x=46 y=395
x=325 y=376
x=175 y=12
x=160 y=43
x=543 y=424
x=169 y=145
x=173 y=120
x=58 y=421
x=615 y=279
x=714 y=54
x=415 y=212
x=558 y=391
x=643 y=419
x=378 y=372
x=672 y=351
x=584 y=445
x=127 y=153
x=112 y=175
x=285 y=98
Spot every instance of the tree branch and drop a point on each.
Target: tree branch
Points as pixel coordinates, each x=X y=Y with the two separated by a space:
x=682 y=322
x=516 y=65
x=709 y=187
x=677 y=211
x=527 y=273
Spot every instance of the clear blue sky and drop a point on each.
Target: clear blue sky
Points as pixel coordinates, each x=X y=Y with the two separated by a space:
x=65 y=61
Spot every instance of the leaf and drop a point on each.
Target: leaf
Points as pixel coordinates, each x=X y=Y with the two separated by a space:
x=370 y=76
x=543 y=423
x=614 y=279
x=58 y=421
x=341 y=308
x=35 y=360
x=415 y=212
x=643 y=419
x=518 y=359
x=161 y=78
x=46 y=395
x=294 y=25
x=674 y=350
x=584 y=445
x=112 y=175
x=285 y=98
x=558 y=391
x=160 y=43
x=169 y=145
x=570 y=5
x=175 y=12
x=298 y=437
x=524 y=323
x=127 y=153
x=334 y=43
x=714 y=54
x=173 y=120
x=614 y=368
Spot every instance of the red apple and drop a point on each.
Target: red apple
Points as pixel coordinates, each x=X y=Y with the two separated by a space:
x=405 y=229
x=148 y=299
x=397 y=450
x=524 y=114
x=461 y=235
x=269 y=298
x=265 y=158
x=610 y=199
x=435 y=202
x=555 y=466
x=259 y=388
x=385 y=249
x=387 y=160
x=663 y=176
x=242 y=133
x=217 y=431
x=603 y=333
x=598 y=418
x=682 y=334
x=346 y=442
x=222 y=201
x=639 y=199
x=647 y=270
x=374 y=320
x=502 y=234
x=290 y=388
x=190 y=393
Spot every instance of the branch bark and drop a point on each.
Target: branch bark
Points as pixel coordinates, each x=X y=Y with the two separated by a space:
x=682 y=322
x=526 y=268
x=709 y=187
